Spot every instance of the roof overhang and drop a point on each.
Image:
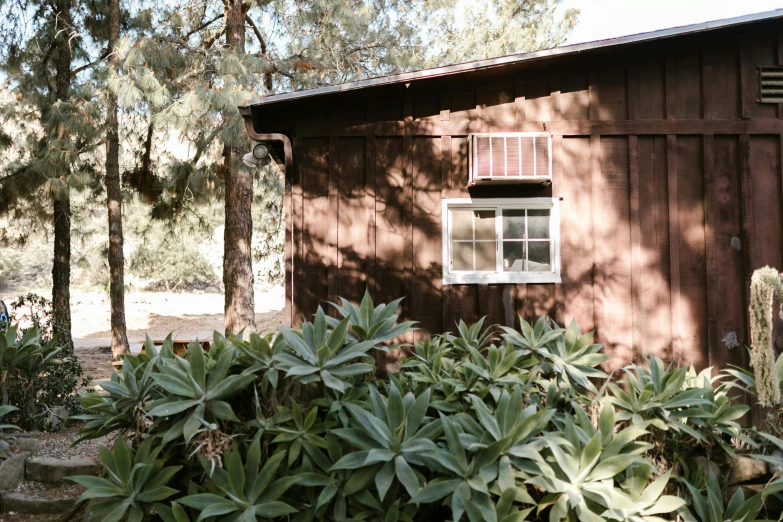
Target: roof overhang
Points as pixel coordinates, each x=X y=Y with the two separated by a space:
x=510 y=59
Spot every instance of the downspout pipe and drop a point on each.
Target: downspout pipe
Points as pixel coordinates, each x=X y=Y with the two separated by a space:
x=287 y=211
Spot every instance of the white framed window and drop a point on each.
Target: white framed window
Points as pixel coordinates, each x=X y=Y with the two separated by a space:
x=501 y=240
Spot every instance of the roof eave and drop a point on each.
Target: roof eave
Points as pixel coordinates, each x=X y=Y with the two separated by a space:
x=436 y=72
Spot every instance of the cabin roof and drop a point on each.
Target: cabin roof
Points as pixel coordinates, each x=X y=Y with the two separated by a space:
x=501 y=61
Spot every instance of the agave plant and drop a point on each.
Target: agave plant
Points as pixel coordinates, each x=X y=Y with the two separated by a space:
x=339 y=486
x=372 y=323
x=258 y=356
x=657 y=395
x=127 y=394
x=473 y=336
x=136 y=482
x=465 y=478
x=393 y=432
x=323 y=355
x=196 y=392
x=245 y=491
x=510 y=423
x=638 y=500
x=716 y=419
x=575 y=469
x=710 y=507
x=18 y=353
x=497 y=370
x=306 y=433
x=564 y=354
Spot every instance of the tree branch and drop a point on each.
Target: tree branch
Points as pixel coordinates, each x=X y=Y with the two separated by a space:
x=262 y=42
x=102 y=57
x=212 y=40
x=204 y=25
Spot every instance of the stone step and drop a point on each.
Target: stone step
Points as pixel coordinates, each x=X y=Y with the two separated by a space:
x=53 y=470
x=12 y=471
x=42 y=499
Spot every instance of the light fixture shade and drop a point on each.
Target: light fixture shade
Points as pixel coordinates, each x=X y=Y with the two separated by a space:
x=260 y=151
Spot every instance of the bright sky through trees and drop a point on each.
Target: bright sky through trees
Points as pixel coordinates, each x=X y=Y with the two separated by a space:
x=601 y=19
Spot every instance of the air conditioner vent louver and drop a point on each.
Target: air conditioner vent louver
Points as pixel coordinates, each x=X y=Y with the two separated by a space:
x=771 y=84
x=514 y=157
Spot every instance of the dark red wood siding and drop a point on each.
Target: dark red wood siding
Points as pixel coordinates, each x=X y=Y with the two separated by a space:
x=668 y=168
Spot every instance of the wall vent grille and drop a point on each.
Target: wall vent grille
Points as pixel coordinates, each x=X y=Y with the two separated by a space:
x=511 y=157
x=771 y=84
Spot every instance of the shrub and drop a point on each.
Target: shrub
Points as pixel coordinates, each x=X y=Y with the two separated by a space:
x=43 y=373
x=476 y=426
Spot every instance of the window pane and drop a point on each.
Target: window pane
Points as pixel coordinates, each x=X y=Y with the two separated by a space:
x=538 y=224
x=485 y=224
x=539 y=257
x=513 y=224
x=513 y=256
x=485 y=255
x=462 y=256
x=462 y=224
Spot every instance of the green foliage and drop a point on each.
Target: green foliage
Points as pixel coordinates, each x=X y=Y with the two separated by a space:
x=476 y=427
x=136 y=481
x=39 y=361
x=709 y=506
x=246 y=491
x=317 y=354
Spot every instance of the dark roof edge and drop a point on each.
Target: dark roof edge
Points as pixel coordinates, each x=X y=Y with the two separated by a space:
x=514 y=58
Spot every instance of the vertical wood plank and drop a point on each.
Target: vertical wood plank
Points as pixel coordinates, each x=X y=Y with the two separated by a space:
x=332 y=217
x=748 y=242
x=598 y=276
x=706 y=85
x=370 y=210
x=576 y=233
x=295 y=296
x=636 y=249
x=747 y=90
x=407 y=205
x=615 y=247
x=519 y=99
x=425 y=300
x=592 y=96
x=633 y=79
x=508 y=306
x=717 y=356
x=483 y=300
x=693 y=302
x=555 y=95
x=558 y=192
x=731 y=328
x=314 y=172
x=654 y=215
x=353 y=222
x=671 y=88
x=674 y=250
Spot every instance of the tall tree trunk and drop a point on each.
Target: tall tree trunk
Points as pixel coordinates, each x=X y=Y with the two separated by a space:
x=237 y=262
x=61 y=268
x=119 y=337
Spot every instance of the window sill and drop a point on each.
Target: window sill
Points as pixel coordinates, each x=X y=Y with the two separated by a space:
x=502 y=279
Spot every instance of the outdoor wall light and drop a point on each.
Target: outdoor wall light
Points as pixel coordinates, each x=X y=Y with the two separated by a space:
x=258 y=156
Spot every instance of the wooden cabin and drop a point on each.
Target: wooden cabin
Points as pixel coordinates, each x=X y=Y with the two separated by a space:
x=633 y=184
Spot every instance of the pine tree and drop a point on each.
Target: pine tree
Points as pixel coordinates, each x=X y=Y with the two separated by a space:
x=197 y=67
x=54 y=155
x=119 y=337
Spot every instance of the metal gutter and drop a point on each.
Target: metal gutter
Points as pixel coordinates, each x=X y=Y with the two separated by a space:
x=512 y=59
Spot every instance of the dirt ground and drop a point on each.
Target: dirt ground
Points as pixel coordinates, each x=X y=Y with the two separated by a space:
x=95 y=358
x=157 y=314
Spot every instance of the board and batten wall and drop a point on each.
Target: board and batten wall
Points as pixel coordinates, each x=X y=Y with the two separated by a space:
x=668 y=168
